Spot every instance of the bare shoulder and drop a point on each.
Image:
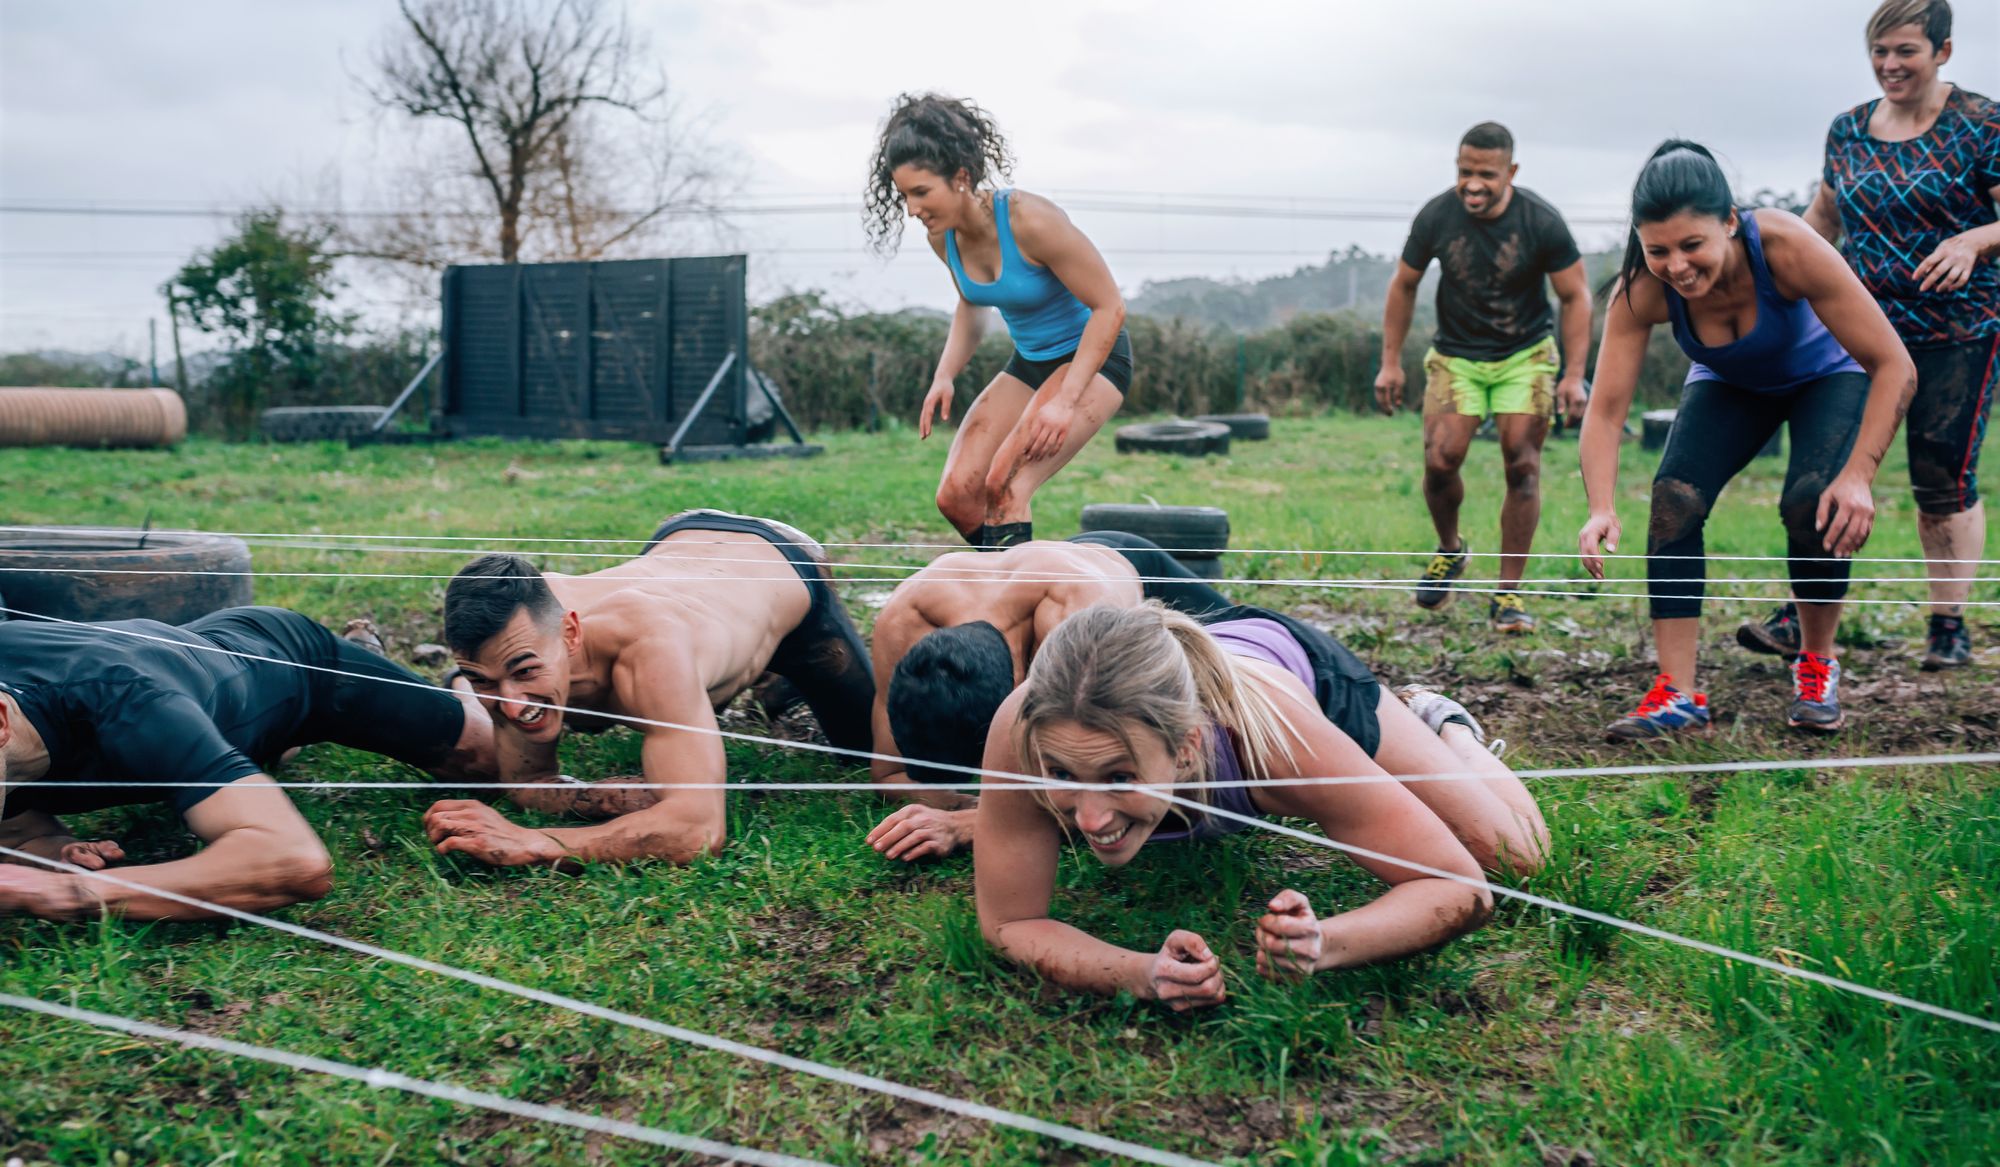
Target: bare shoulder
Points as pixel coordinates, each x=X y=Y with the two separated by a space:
x=1000 y=734
x=1800 y=258
x=936 y=241
x=1035 y=218
x=1779 y=226
x=649 y=641
x=1647 y=301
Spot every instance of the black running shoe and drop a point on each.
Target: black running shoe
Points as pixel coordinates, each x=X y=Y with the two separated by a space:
x=1778 y=635
x=1951 y=644
x=1445 y=566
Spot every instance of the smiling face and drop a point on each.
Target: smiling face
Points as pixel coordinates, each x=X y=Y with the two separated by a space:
x=1906 y=66
x=931 y=199
x=1689 y=252
x=1484 y=178
x=1116 y=823
x=525 y=661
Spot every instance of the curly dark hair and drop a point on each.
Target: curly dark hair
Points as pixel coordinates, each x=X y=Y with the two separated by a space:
x=943 y=135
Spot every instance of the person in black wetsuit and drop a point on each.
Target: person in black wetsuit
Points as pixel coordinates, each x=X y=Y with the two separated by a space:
x=84 y=705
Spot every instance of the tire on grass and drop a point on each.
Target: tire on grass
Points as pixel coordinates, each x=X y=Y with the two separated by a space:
x=1245 y=427
x=1189 y=534
x=319 y=423
x=71 y=573
x=1192 y=438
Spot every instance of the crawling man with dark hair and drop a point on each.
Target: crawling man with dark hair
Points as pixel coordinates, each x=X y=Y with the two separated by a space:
x=956 y=638
x=205 y=710
x=713 y=602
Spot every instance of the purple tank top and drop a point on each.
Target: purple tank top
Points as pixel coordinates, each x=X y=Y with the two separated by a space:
x=1786 y=348
x=1264 y=640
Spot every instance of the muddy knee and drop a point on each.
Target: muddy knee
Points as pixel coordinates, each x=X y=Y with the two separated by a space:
x=1524 y=472
x=1442 y=461
x=1679 y=512
x=1799 y=508
x=962 y=502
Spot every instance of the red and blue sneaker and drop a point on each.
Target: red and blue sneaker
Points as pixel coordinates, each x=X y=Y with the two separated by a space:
x=1663 y=710
x=1815 y=694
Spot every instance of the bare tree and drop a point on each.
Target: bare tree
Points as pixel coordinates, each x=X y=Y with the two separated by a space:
x=528 y=92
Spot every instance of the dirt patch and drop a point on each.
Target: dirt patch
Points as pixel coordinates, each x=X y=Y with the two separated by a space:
x=207 y=1017
x=908 y=1131
x=782 y=718
x=825 y=961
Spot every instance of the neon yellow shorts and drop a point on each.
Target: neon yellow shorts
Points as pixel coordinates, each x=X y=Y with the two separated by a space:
x=1522 y=383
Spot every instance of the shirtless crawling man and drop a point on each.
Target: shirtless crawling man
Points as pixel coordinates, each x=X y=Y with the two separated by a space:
x=713 y=602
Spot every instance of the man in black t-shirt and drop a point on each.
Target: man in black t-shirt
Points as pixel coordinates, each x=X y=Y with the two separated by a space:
x=1495 y=244
x=215 y=702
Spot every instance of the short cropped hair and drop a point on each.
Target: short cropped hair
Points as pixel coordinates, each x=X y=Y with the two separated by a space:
x=1489 y=136
x=943 y=695
x=482 y=598
x=1933 y=16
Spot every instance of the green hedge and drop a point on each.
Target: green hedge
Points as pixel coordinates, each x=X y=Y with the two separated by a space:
x=842 y=371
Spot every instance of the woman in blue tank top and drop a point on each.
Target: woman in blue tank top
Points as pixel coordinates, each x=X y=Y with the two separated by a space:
x=1017 y=253
x=1780 y=332
x=1128 y=706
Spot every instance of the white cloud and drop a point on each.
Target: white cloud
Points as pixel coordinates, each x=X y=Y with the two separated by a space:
x=233 y=100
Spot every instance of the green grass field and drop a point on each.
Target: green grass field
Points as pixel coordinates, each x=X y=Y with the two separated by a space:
x=1540 y=1040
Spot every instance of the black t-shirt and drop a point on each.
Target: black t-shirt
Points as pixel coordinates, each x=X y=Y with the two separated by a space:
x=138 y=700
x=1491 y=300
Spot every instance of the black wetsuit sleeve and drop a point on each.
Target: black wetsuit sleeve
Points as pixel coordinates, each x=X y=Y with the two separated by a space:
x=164 y=736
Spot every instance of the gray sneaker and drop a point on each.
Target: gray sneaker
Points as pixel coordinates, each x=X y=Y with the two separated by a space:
x=1434 y=591
x=1436 y=710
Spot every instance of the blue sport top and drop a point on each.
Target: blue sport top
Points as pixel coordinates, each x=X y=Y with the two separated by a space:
x=1786 y=348
x=1045 y=318
x=1267 y=641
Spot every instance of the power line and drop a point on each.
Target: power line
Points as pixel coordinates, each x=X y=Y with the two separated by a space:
x=1125 y=206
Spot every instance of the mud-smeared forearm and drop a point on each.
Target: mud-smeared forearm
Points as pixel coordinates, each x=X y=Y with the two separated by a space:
x=1070 y=957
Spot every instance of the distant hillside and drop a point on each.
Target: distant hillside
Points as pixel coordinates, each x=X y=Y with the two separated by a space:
x=1352 y=280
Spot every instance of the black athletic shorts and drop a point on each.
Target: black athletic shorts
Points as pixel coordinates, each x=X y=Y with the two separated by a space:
x=1346 y=689
x=1117 y=367
x=824 y=657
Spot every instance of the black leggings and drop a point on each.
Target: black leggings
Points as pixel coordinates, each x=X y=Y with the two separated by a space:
x=1718 y=430
x=1947 y=422
x=1162 y=577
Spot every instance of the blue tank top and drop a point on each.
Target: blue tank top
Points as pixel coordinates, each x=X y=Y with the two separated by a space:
x=1264 y=640
x=1045 y=319
x=1786 y=348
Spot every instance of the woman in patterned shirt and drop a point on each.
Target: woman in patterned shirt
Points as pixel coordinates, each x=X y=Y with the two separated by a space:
x=1911 y=180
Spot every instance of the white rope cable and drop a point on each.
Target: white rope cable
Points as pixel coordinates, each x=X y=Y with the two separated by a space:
x=949 y=574
x=1887 y=761
x=1308 y=584
x=1585 y=913
x=384 y=1079
x=874 y=756
x=137 y=532
x=1642 y=929
x=893 y=1089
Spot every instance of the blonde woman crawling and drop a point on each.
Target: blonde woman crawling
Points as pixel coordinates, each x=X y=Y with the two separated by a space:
x=1134 y=703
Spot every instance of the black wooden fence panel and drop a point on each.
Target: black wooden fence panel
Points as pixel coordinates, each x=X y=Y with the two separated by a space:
x=618 y=349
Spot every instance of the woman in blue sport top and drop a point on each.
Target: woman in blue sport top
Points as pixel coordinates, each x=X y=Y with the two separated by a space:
x=1128 y=708
x=1780 y=332
x=1016 y=252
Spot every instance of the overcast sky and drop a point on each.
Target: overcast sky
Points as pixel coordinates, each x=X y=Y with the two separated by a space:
x=1311 y=108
